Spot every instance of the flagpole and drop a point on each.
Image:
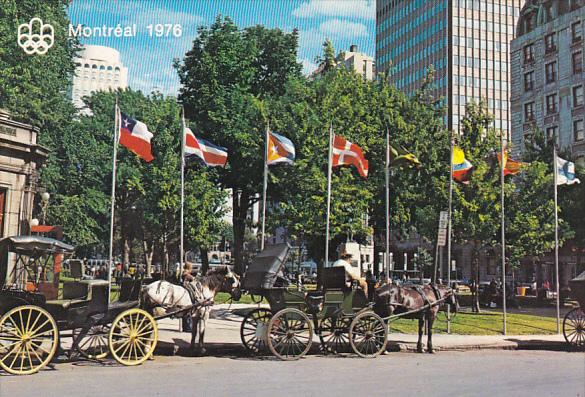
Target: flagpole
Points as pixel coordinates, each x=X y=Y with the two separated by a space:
x=387 y=175
x=182 y=222
x=502 y=203
x=555 y=170
x=265 y=185
x=113 y=197
x=451 y=143
x=329 y=159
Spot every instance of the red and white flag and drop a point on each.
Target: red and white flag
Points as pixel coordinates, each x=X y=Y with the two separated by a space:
x=135 y=136
x=212 y=155
x=347 y=153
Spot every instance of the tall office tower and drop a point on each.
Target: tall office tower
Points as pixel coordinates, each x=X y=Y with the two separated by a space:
x=97 y=68
x=466 y=41
x=547 y=74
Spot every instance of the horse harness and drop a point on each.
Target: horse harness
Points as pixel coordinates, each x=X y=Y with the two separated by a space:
x=420 y=290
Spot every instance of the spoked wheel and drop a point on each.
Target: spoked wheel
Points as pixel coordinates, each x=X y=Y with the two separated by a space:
x=335 y=334
x=368 y=335
x=574 y=327
x=28 y=340
x=133 y=337
x=289 y=334
x=253 y=330
x=93 y=343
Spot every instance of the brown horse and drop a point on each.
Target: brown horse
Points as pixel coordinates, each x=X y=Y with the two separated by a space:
x=425 y=301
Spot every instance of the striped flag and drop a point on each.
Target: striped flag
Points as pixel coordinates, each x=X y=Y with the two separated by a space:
x=347 y=153
x=212 y=155
x=461 y=167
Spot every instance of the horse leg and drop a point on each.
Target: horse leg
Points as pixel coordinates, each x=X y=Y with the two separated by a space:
x=430 y=320
x=419 y=345
x=204 y=319
x=194 y=327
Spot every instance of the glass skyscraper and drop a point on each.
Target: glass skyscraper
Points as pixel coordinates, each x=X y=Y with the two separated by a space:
x=466 y=42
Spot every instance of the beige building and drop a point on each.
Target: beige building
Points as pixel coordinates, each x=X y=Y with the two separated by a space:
x=20 y=161
x=97 y=68
x=359 y=62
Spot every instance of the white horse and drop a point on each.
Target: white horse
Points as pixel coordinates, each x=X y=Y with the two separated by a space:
x=171 y=297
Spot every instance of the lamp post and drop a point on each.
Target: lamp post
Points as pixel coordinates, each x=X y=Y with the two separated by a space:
x=45 y=196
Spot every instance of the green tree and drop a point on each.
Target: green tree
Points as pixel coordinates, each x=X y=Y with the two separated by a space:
x=229 y=78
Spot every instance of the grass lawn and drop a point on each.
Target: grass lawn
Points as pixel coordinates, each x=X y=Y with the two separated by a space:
x=485 y=323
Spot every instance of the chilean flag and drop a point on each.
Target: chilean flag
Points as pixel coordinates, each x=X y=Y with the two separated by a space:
x=347 y=153
x=135 y=136
x=212 y=155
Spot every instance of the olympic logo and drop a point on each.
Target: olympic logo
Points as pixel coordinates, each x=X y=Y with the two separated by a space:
x=36 y=37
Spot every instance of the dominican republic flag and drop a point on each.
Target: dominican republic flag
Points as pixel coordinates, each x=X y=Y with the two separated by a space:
x=135 y=136
x=461 y=167
x=212 y=155
x=347 y=153
x=566 y=172
x=280 y=149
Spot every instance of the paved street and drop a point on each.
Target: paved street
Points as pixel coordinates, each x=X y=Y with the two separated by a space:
x=477 y=373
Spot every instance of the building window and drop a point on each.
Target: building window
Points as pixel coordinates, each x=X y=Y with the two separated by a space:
x=578 y=130
x=551 y=72
x=552 y=133
x=528 y=81
x=551 y=104
x=578 y=96
x=578 y=62
x=528 y=53
x=550 y=42
x=529 y=111
x=576 y=31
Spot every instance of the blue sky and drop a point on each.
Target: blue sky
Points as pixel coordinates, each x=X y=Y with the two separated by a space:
x=149 y=60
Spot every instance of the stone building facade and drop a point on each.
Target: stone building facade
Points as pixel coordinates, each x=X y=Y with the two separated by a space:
x=548 y=75
x=20 y=160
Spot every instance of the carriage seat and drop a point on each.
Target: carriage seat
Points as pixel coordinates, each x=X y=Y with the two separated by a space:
x=76 y=292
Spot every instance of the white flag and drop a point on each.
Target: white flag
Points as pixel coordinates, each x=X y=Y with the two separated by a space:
x=566 y=172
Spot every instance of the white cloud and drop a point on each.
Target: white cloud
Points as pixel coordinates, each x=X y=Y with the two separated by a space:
x=364 y=9
x=341 y=28
x=308 y=66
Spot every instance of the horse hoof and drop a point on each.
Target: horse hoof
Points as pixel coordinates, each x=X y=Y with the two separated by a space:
x=203 y=351
x=420 y=349
x=431 y=351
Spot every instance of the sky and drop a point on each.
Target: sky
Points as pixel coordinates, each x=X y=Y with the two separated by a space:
x=149 y=59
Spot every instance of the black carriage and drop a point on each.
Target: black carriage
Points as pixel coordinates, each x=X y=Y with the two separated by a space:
x=339 y=315
x=39 y=308
x=574 y=321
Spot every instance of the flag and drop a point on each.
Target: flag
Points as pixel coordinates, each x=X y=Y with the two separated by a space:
x=566 y=172
x=135 y=136
x=212 y=155
x=461 y=167
x=280 y=149
x=347 y=153
x=511 y=167
x=402 y=158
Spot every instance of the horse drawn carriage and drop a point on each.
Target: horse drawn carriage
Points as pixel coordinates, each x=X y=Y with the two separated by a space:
x=38 y=310
x=574 y=321
x=339 y=315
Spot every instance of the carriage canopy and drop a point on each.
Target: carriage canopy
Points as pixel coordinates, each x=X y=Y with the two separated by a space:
x=578 y=289
x=266 y=268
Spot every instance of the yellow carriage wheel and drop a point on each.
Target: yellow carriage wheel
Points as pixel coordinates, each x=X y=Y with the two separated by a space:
x=93 y=344
x=28 y=339
x=133 y=337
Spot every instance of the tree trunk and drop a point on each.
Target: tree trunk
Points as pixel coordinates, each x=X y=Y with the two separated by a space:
x=204 y=260
x=126 y=244
x=240 y=209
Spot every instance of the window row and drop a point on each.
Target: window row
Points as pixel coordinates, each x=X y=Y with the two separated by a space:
x=469 y=81
x=483 y=25
x=550 y=71
x=552 y=103
x=471 y=62
x=489 y=45
x=487 y=6
x=550 y=42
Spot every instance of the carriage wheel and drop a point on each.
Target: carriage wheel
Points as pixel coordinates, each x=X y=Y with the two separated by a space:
x=289 y=334
x=574 y=327
x=28 y=339
x=335 y=333
x=368 y=335
x=93 y=344
x=133 y=337
x=253 y=330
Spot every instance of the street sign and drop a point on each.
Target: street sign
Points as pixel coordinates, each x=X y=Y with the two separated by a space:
x=442 y=237
x=443 y=220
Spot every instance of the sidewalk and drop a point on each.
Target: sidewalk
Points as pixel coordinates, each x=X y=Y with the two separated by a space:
x=223 y=337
